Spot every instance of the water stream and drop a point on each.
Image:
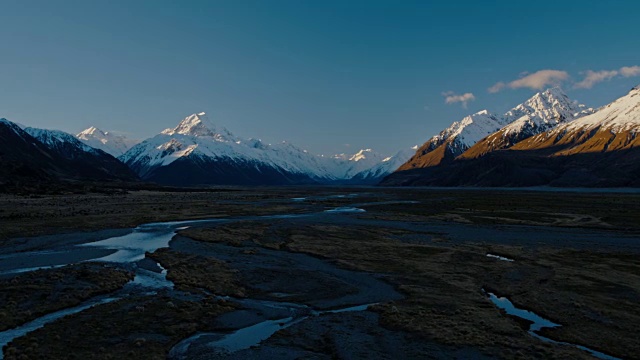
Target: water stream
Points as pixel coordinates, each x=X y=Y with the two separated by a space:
x=501 y=258
x=538 y=323
x=253 y=335
x=8 y=335
x=131 y=248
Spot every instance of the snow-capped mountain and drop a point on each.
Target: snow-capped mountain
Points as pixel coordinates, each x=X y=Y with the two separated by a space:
x=597 y=150
x=198 y=151
x=377 y=172
x=106 y=141
x=540 y=112
x=455 y=139
x=345 y=166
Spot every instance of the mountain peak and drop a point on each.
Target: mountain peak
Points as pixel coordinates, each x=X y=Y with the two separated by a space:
x=550 y=105
x=195 y=124
x=198 y=124
x=482 y=112
x=554 y=91
x=89 y=132
x=110 y=143
x=11 y=123
x=362 y=154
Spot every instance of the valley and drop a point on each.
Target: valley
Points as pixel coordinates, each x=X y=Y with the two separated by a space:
x=243 y=273
x=354 y=180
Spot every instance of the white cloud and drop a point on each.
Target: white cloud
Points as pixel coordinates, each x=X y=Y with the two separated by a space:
x=630 y=71
x=536 y=81
x=593 y=77
x=451 y=98
x=497 y=87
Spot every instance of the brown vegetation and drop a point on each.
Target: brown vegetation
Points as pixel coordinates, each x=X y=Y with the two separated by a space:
x=28 y=296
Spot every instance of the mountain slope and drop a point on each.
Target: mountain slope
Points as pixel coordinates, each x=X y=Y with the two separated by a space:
x=83 y=160
x=25 y=161
x=542 y=112
x=115 y=145
x=454 y=140
x=23 y=158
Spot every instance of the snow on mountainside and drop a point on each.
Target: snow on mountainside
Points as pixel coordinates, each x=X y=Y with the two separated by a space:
x=35 y=155
x=613 y=127
x=550 y=106
x=454 y=140
x=540 y=113
x=60 y=140
x=197 y=140
x=472 y=128
x=115 y=145
x=346 y=166
x=200 y=125
x=597 y=150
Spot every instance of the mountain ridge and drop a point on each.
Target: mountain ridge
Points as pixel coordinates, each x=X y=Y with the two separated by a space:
x=197 y=140
x=538 y=112
x=601 y=149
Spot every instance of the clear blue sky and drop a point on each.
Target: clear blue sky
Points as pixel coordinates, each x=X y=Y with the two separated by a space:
x=321 y=74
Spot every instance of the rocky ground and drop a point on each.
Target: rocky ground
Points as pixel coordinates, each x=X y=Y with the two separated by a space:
x=418 y=256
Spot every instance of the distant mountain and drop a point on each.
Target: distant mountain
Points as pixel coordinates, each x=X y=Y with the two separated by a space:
x=597 y=150
x=374 y=174
x=26 y=159
x=542 y=111
x=200 y=152
x=345 y=167
x=115 y=145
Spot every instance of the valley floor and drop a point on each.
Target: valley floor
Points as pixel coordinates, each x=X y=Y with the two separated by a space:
x=330 y=272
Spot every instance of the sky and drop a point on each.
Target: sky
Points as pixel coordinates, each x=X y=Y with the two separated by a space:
x=328 y=76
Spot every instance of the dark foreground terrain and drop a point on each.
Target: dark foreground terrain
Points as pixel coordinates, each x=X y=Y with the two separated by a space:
x=319 y=273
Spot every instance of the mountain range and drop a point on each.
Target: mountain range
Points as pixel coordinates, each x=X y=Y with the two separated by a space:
x=196 y=152
x=547 y=140
x=541 y=112
x=554 y=143
x=200 y=152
